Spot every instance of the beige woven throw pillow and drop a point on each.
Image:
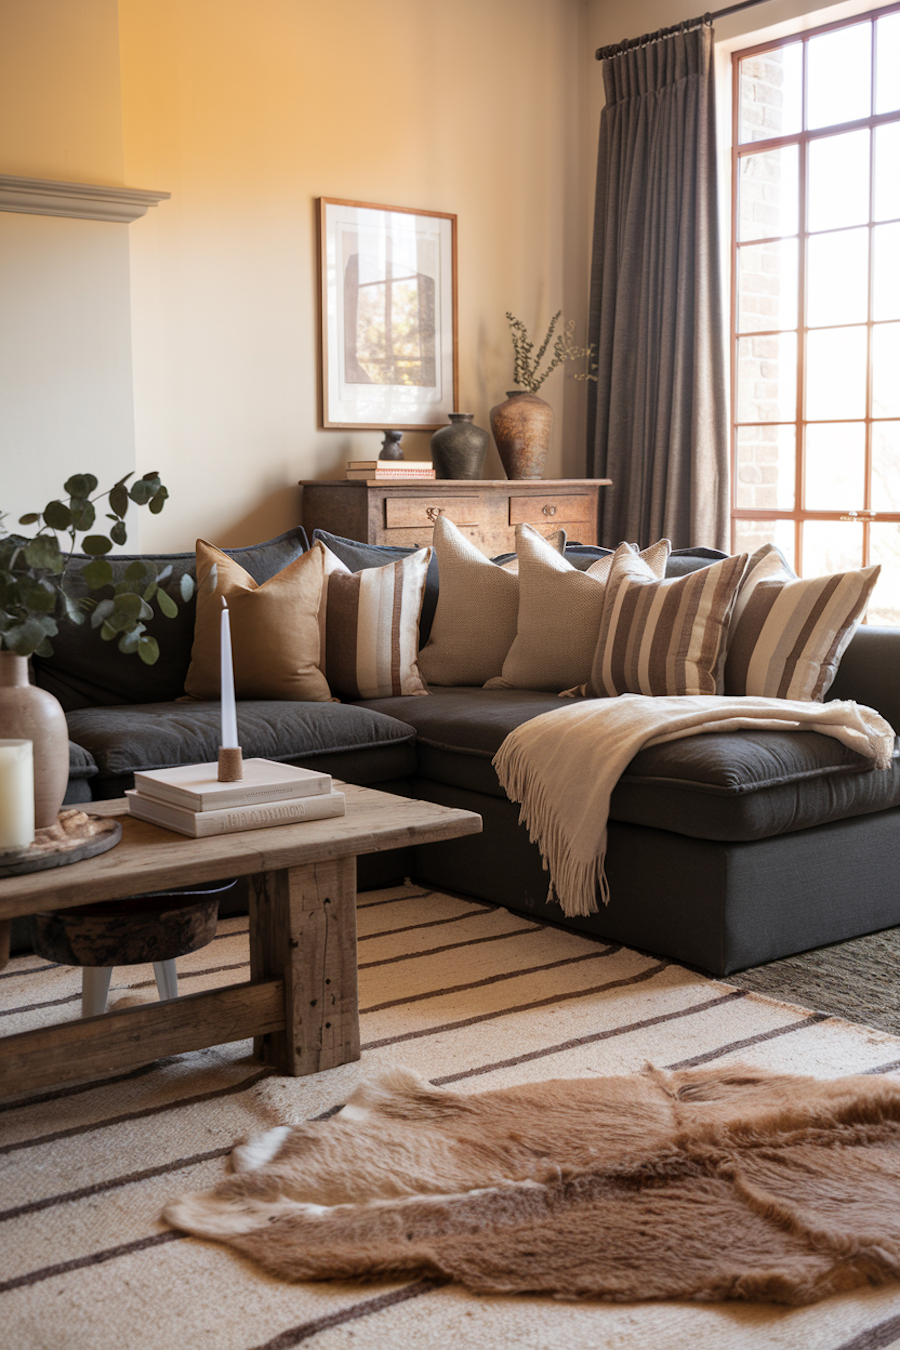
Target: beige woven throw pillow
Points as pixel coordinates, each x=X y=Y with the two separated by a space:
x=475 y=620
x=663 y=637
x=787 y=636
x=274 y=629
x=559 y=615
x=371 y=625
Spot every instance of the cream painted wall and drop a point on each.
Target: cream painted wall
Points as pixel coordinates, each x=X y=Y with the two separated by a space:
x=65 y=324
x=247 y=112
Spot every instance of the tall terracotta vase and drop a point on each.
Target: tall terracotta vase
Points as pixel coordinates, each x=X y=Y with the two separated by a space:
x=522 y=428
x=31 y=714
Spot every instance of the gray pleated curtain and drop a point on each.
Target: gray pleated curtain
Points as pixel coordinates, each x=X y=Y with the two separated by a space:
x=657 y=421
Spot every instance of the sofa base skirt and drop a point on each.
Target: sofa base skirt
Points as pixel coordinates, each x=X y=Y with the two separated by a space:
x=718 y=906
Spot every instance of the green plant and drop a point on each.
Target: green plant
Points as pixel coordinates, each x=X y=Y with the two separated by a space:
x=527 y=367
x=33 y=572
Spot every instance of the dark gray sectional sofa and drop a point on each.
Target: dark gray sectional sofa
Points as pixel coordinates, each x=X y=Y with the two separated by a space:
x=724 y=850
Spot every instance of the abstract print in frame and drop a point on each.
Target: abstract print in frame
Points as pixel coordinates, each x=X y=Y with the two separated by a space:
x=388 y=316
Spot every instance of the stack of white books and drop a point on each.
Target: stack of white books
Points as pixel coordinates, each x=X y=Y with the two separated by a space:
x=389 y=470
x=191 y=800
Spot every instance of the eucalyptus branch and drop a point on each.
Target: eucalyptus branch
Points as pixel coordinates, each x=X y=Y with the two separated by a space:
x=33 y=571
x=527 y=371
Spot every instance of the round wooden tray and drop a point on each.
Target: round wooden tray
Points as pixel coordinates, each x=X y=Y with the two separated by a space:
x=75 y=835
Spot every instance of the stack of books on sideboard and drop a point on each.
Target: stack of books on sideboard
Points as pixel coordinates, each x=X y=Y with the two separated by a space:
x=191 y=800
x=390 y=470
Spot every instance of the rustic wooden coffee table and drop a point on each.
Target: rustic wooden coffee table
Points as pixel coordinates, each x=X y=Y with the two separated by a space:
x=301 y=1000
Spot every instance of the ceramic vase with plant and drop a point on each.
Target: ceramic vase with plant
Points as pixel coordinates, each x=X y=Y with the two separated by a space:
x=523 y=424
x=34 y=600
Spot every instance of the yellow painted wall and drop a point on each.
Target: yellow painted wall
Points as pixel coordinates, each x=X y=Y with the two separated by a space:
x=249 y=110
x=65 y=325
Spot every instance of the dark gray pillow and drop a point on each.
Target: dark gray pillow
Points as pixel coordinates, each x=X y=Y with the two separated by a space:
x=84 y=671
x=684 y=560
x=358 y=556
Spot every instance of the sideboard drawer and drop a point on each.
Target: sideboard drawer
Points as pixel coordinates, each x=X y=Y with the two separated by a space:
x=539 y=510
x=412 y=513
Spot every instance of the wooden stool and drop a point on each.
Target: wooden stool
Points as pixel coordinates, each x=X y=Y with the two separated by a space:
x=155 y=928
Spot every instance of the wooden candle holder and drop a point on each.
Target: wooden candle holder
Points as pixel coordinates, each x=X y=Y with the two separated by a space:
x=231 y=764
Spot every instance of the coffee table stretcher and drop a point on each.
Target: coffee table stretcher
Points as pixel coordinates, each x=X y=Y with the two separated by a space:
x=300 y=1004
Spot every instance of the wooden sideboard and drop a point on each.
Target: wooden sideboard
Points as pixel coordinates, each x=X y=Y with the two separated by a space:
x=488 y=511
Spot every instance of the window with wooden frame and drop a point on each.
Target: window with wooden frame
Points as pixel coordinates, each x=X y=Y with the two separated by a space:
x=816 y=300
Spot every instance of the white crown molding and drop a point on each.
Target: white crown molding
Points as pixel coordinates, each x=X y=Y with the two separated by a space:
x=84 y=201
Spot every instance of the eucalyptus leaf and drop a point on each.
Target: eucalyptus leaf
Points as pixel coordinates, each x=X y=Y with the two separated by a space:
x=158 y=501
x=102 y=613
x=148 y=650
x=118 y=499
x=43 y=551
x=57 y=515
x=83 y=514
x=141 y=491
x=31 y=519
x=128 y=604
x=146 y=611
x=97 y=573
x=164 y=573
x=73 y=611
x=166 y=604
x=135 y=571
x=186 y=586
x=118 y=534
x=79 y=485
x=108 y=633
x=128 y=642
x=96 y=544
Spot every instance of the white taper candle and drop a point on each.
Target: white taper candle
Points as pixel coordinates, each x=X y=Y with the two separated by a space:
x=16 y=794
x=229 y=713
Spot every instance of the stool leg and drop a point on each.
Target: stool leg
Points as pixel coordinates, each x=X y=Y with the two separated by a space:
x=166 y=978
x=94 y=989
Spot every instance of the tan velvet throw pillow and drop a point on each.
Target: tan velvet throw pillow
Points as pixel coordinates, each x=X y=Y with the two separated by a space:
x=559 y=615
x=371 y=621
x=663 y=637
x=787 y=635
x=475 y=620
x=274 y=629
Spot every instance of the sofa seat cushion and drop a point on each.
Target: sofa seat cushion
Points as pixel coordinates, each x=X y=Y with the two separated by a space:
x=349 y=742
x=727 y=786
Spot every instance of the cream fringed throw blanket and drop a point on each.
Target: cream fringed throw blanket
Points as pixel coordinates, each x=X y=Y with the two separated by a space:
x=562 y=766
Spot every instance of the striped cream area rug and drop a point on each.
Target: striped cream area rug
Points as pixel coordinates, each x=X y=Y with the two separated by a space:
x=464 y=993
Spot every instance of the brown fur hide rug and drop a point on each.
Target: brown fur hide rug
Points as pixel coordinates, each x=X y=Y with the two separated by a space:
x=699 y=1184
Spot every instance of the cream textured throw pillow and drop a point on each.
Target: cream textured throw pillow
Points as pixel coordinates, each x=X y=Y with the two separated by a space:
x=664 y=637
x=274 y=629
x=475 y=620
x=372 y=627
x=559 y=615
x=787 y=636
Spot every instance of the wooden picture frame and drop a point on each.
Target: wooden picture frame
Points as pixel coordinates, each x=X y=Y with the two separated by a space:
x=387 y=316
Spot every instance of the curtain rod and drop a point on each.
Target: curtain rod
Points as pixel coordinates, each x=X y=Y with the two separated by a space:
x=616 y=49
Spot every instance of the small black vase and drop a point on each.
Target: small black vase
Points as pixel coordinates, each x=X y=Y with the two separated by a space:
x=458 y=451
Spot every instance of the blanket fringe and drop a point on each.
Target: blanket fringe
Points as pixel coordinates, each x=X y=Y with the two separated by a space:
x=574 y=883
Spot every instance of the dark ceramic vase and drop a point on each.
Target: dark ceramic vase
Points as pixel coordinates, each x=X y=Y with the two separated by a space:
x=522 y=428
x=458 y=451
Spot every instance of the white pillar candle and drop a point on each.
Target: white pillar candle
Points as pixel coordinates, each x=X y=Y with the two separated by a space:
x=229 y=712
x=16 y=794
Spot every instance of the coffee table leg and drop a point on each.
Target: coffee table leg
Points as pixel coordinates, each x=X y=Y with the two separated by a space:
x=303 y=930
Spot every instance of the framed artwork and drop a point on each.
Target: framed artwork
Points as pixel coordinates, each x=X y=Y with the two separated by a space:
x=388 y=316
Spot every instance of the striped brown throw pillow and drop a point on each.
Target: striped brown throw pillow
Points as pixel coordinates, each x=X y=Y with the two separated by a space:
x=663 y=637
x=372 y=628
x=787 y=635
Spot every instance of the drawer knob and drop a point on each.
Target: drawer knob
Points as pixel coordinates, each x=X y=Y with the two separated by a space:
x=549 y=510
x=432 y=512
